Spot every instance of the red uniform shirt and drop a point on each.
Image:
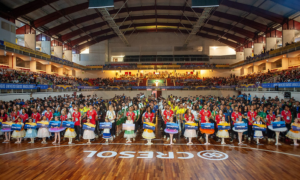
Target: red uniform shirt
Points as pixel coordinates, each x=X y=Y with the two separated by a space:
x=186 y=117
x=3 y=117
x=92 y=116
x=235 y=116
x=63 y=117
x=131 y=114
x=36 y=117
x=204 y=114
x=76 y=118
x=219 y=118
x=251 y=116
x=149 y=116
x=168 y=114
x=24 y=117
x=48 y=115
x=298 y=115
x=286 y=115
x=270 y=118
x=14 y=115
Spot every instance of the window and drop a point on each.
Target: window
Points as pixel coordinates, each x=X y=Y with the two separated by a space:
x=13 y=29
x=5 y=26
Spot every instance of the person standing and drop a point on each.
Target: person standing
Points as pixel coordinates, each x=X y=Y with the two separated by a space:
x=92 y=115
x=76 y=116
x=251 y=119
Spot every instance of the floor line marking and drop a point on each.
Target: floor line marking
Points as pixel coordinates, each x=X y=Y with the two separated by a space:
x=159 y=144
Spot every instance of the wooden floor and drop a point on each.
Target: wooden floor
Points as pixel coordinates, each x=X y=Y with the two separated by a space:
x=37 y=161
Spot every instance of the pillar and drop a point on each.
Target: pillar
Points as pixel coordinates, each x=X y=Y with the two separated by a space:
x=239 y=56
x=12 y=62
x=33 y=66
x=255 y=69
x=70 y=72
x=58 y=51
x=61 y=71
x=288 y=36
x=68 y=55
x=245 y=71
x=271 y=43
x=48 y=69
x=29 y=40
x=258 y=48
x=247 y=52
x=268 y=66
x=285 y=63
x=46 y=47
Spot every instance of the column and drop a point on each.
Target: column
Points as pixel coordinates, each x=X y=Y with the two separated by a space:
x=255 y=69
x=46 y=47
x=61 y=71
x=58 y=51
x=70 y=72
x=285 y=63
x=288 y=36
x=268 y=66
x=271 y=43
x=258 y=48
x=33 y=66
x=12 y=62
x=247 y=52
x=29 y=40
x=245 y=71
x=68 y=55
x=239 y=56
x=48 y=69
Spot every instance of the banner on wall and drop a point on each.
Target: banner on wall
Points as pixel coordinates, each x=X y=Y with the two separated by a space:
x=23 y=86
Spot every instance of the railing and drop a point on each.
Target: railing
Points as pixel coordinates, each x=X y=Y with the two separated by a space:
x=276 y=52
x=36 y=54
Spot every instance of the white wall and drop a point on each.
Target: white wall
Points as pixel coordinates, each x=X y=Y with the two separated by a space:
x=98 y=54
x=221 y=51
x=8 y=35
x=160 y=43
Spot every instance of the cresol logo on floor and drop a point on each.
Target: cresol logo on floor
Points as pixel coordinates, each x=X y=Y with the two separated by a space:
x=207 y=154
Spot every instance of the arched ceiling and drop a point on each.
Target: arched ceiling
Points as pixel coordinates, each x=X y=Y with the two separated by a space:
x=232 y=23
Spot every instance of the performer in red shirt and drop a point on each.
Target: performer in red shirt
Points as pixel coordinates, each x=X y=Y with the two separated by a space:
x=168 y=114
x=204 y=113
x=131 y=113
x=251 y=118
x=287 y=117
x=76 y=116
x=14 y=115
x=3 y=116
x=270 y=118
x=24 y=116
x=234 y=118
x=149 y=115
x=36 y=117
x=49 y=114
x=92 y=115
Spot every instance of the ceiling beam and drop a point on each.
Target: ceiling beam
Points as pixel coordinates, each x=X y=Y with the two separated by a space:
x=254 y=10
x=72 y=34
x=102 y=32
x=53 y=16
x=102 y=38
x=29 y=7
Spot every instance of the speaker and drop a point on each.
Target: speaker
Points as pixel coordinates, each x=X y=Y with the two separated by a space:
x=79 y=89
x=276 y=88
x=38 y=89
x=287 y=94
